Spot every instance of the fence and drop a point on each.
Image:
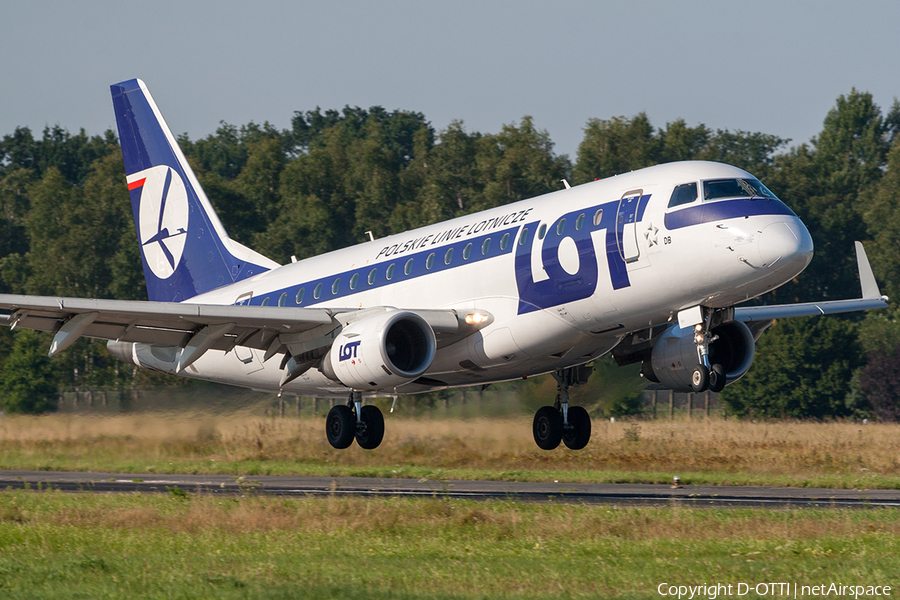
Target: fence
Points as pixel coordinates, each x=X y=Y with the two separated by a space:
x=666 y=404
x=657 y=403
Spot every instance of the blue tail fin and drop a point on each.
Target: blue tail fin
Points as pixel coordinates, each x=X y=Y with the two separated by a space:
x=184 y=248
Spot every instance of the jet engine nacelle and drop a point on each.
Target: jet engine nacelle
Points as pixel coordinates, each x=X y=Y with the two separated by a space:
x=381 y=351
x=674 y=355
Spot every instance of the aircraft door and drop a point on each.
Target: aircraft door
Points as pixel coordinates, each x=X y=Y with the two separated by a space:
x=626 y=226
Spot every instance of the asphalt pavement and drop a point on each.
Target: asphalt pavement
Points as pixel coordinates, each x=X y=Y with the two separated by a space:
x=557 y=491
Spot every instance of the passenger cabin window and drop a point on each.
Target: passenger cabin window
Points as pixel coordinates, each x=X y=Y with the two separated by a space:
x=299 y=298
x=407 y=268
x=486 y=245
x=542 y=231
x=372 y=275
x=683 y=194
x=282 y=300
x=714 y=189
x=467 y=251
x=336 y=286
x=429 y=262
x=448 y=256
x=598 y=216
x=579 y=222
x=390 y=272
x=561 y=227
x=523 y=239
x=265 y=301
x=504 y=241
x=317 y=291
x=354 y=280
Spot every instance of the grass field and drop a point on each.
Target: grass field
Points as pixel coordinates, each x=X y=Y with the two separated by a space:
x=709 y=451
x=56 y=545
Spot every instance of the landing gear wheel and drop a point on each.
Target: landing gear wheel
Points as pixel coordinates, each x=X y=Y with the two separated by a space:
x=369 y=436
x=717 y=378
x=578 y=434
x=340 y=426
x=547 y=428
x=700 y=379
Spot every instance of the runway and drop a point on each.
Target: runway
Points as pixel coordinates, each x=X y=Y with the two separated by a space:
x=581 y=493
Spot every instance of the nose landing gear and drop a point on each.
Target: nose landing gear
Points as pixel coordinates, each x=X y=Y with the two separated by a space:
x=562 y=423
x=704 y=375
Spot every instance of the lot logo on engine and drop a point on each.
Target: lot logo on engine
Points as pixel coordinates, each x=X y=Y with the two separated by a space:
x=348 y=351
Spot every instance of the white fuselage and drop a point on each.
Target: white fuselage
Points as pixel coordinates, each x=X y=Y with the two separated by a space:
x=613 y=259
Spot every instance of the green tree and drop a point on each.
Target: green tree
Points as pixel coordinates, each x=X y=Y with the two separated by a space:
x=71 y=155
x=802 y=369
x=620 y=145
x=349 y=175
x=879 y=383
x=28 y=378
x=824 y=185
x=316 y=209
x=451 y=185
x=680 y=142
x=74 y=231
x=14 y=206
x=516 y=164
x=752 y=151
x=880 y=205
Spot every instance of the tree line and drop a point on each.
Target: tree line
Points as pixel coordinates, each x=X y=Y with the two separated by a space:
x=335 y=174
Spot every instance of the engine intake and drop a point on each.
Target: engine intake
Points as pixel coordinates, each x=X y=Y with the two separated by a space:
x=674 y=355
x=381 y=351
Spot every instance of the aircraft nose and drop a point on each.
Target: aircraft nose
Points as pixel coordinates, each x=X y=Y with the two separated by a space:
x=786 y=243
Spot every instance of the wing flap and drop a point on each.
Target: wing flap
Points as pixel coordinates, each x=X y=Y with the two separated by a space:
x=161 y=323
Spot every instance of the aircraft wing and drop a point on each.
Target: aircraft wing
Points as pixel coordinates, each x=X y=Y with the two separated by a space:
x=871 y=298
x=194 y=327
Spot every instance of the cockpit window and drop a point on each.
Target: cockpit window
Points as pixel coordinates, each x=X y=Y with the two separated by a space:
x=683 y=194
x=715 y=189
x=761 y=190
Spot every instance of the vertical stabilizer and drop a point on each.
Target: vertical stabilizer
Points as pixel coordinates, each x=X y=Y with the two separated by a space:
x=184 y=248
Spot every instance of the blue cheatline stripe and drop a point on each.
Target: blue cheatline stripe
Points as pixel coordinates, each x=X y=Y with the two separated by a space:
x=726 y=209
x=419 y=269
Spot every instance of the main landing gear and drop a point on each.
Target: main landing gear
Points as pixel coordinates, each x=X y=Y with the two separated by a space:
x=353 y=420
x=562 y=423
x=705 y=376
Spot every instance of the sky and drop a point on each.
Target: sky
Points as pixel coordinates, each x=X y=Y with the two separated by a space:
x=771 y=66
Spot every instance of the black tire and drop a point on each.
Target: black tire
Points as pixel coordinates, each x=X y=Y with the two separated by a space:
x=340 y=426
x=700 y=378
x=717 y=378
x=547 y=428
x=579 y=434
x=370 y=437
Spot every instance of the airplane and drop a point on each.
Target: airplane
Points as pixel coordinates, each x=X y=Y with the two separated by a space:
x=650 y=266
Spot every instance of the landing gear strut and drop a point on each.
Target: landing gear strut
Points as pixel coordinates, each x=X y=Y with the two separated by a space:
x=704 y=375
x=353 y=420
x=561 y=423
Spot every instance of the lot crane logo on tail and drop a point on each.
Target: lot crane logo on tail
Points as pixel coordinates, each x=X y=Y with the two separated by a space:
x=163 y=218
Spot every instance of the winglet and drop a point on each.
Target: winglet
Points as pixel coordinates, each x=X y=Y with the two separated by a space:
x=866 y=277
